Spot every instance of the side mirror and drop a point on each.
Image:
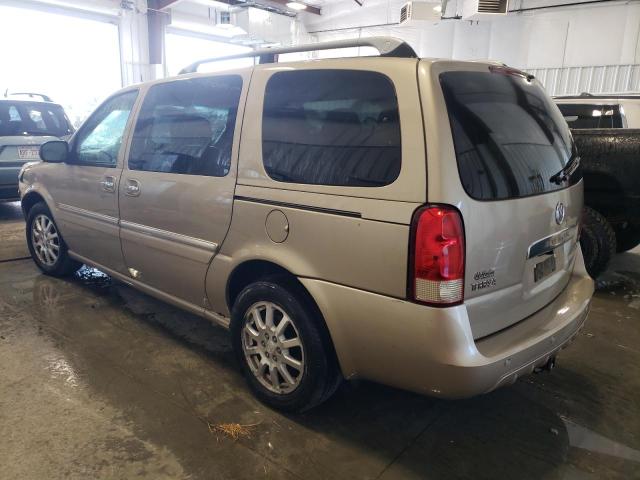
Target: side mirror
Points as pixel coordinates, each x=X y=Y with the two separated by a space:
x=55 y=151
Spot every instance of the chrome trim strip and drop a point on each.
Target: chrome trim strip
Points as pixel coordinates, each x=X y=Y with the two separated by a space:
x=311 y=208
x=88 y=214
x=169 y=236
x=549 y=243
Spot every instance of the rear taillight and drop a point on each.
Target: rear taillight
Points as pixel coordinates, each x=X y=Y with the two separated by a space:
x=436 y=270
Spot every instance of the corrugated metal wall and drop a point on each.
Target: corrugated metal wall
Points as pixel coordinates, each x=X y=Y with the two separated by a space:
x=593 y=79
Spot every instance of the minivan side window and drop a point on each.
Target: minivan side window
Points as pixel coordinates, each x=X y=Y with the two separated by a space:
x=187 y=127
x=331 y=127
x=99 y=139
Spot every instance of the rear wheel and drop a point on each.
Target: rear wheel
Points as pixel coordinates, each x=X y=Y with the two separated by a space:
x=627 y=239
x=46 y=245
x=598 y=241
x=279 y=341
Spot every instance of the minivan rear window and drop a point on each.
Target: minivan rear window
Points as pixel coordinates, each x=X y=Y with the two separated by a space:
x=331 y=127
x=509 y=137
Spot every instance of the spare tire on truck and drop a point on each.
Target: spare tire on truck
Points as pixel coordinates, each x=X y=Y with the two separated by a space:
x=627 y=239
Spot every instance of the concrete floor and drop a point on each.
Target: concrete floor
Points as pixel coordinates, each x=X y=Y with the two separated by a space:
x=100 y=381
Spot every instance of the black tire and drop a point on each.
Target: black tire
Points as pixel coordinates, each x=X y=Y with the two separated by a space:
x=320 y=375
x=627 y=239
x=63 y=265
x=598 y=242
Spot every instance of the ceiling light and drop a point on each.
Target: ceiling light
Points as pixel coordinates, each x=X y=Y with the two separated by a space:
x=437 y=8
x=296 y=6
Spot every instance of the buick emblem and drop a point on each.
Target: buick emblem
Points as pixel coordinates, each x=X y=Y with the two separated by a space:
x=559 y=213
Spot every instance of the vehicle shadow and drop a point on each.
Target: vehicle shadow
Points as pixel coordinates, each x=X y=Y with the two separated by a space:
x=365 y=431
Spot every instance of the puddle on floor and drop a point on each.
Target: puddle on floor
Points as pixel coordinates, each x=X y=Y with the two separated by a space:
x=93 y=277
x=585 y=439
x=190 y=328
x=621 y=283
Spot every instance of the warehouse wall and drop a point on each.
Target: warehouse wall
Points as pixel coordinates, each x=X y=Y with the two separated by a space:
x=131 y=18
x=589 y=47
x=571 y=49
x=86 y=67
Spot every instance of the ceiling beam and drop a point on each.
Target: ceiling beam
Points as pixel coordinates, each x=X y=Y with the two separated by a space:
x=162 y=4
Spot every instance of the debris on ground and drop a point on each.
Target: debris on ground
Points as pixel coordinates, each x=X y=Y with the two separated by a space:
x=234 y=431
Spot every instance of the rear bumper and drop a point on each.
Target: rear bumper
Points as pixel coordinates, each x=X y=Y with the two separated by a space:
x=9 y=192
x=432 y=351
x=9 y=182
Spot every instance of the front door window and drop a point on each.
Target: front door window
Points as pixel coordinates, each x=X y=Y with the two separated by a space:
x=100 y=138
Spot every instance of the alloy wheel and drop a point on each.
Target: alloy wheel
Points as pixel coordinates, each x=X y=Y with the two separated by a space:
x=272 y=347
x=45 y=240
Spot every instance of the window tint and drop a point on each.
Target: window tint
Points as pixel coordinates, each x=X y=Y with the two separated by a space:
x=331 y=127
x=509 y=137
x=98 y=142
x=33 y=118
x=591 y=116
x=187 y=127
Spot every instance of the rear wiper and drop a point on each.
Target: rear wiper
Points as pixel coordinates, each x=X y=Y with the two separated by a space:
x=567 y=170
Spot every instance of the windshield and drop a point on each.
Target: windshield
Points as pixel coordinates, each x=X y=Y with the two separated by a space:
x=509 y=137
x=33 y=118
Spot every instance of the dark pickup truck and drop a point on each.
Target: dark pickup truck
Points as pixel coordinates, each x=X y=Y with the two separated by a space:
x=610 y=160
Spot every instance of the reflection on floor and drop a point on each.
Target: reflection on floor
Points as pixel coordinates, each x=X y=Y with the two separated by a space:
x=12 y=240
x=100 y=381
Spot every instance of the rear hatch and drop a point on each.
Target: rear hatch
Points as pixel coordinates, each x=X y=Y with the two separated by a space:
x=504 y=156
x=15 y=151
x=24 y=126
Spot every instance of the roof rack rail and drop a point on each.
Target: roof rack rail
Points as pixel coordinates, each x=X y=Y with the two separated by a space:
x=386 y=46
x=45 y=98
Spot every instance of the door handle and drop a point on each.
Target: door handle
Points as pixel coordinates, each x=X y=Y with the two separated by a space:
x=133 y=188
x=108 y=184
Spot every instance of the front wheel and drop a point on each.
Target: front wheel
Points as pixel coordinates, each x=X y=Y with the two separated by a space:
x=46 y=245
x=280 y=343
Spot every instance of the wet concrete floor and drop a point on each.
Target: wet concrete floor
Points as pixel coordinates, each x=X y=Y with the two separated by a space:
x=100 y=381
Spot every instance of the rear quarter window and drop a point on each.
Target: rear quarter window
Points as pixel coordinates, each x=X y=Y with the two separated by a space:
x=331 y=127
x=509 y=137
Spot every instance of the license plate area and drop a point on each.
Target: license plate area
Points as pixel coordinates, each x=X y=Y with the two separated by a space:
x=29 y=153
x=544 y=268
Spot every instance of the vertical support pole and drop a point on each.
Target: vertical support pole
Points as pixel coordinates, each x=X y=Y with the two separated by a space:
x=157 y=20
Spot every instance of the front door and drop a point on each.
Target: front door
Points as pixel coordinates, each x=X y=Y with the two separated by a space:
x=86 y=190
x=177 y=188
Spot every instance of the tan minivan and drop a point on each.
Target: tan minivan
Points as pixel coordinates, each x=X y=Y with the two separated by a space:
x=408 y=221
